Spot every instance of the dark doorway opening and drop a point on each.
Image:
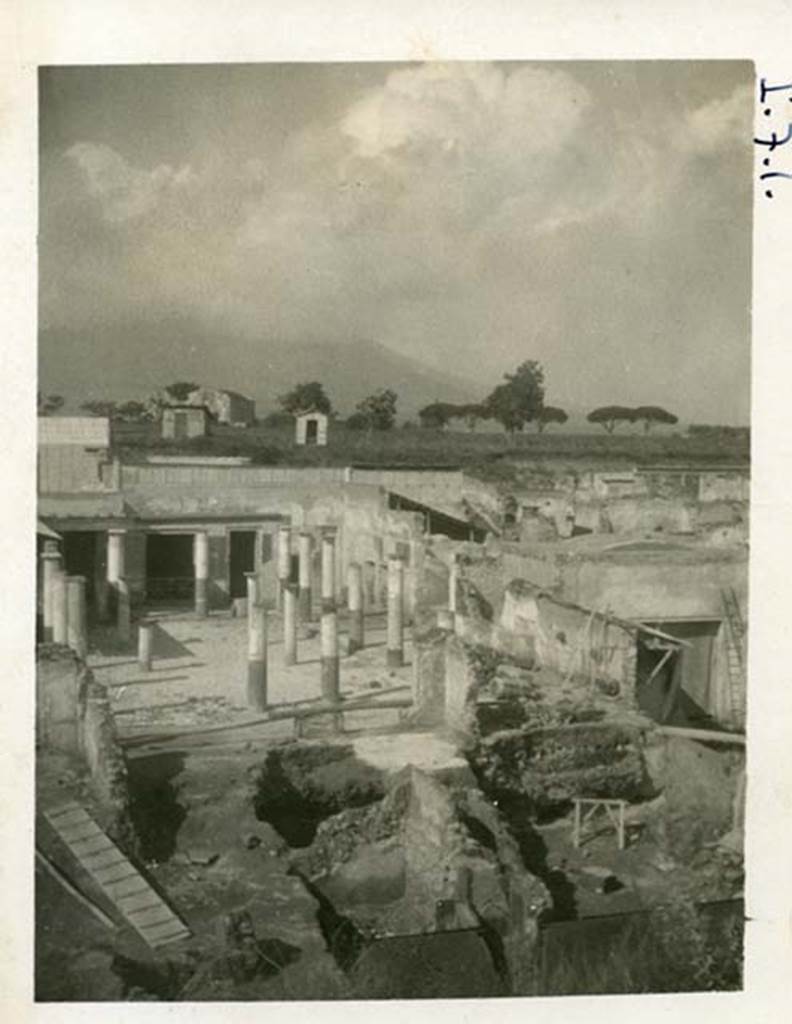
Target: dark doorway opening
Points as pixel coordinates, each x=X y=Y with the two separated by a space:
x=675 y=687
x=241 y=559
x=311 y=432
x=79 y=559
x=170 y=576
x=658 y=679
x=180 y=425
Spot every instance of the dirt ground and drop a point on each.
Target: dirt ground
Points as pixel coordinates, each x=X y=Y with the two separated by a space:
x=199 y=674
x=203 y=848
x=192 y=807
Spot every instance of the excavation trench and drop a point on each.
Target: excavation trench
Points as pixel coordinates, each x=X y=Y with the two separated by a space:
x=404 y=877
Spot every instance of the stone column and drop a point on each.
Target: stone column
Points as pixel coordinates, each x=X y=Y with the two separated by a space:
x=145 y=643
x=201 y=564
x=304 y=550
x=289 y=624
x=76 y=625
x=328 y=572
x=59 y=608
x=369 y=593
x=257 y=647
x=123 y=610
x=355 y=606
x=329 y=648
x=116 y=556
x=379 y=562
x=52 y=564
x=395 y=655
x=453 y=582
x=116 y=565
x=283 y=561
x=329 y=622
x=101 y=587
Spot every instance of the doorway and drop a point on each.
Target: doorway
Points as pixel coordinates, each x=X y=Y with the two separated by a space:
x=180 y=425
x=311 y=431
x=241 y=560
x=79 y=559
x=680 y=690
x=659 y=678
x=170 y=575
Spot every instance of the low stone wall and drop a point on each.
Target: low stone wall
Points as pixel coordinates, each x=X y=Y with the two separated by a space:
x=60 y=678
x=429 y=675
x=74 y=717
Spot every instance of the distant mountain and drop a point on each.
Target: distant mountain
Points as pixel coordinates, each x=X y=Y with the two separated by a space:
x=133 y=360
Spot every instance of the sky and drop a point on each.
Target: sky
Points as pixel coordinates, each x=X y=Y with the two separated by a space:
x=594 y=216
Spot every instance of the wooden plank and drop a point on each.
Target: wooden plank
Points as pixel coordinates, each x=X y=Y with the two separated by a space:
x=103 y=859
x=67 y=808
x=85 y=847
x=126 y=887
x=157 y=935
x=707 y=735
x=114 y=872
x=139 y=903
x=76 y=832
x=144 y=917
x=69 y=817
x=140 y=900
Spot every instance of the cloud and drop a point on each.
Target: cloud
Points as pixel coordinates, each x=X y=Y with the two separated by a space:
x=475 y=110
x=124 y=192
x=718 y=123
x=467 y=214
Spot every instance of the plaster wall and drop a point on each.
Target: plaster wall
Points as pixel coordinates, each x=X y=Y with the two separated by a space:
x=655 y=589
x=569 y=640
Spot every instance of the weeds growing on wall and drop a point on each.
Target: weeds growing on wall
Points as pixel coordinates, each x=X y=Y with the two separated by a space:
x=548 y=767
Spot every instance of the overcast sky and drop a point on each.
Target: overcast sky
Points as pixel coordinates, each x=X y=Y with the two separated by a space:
x=594 y=216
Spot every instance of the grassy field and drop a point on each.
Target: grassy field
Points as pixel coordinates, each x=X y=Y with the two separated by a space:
x=487 y=454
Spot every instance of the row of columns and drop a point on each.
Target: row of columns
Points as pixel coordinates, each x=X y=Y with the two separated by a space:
x=372 y=571
x=64 y=608
x=116 y=572
x=295 y=604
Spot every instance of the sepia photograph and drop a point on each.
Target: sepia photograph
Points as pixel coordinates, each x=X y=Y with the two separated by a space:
x=393 y=490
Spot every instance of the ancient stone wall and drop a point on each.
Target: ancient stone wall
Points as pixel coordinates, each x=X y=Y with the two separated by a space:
x=570 y=639
x=74 y=717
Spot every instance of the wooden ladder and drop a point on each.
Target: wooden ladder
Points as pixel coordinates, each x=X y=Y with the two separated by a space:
x=118 y=879
x=735 y=652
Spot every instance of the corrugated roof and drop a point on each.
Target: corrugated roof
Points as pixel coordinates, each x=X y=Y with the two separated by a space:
x=85 y=431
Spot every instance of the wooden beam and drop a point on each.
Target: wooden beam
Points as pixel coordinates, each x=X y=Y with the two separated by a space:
x=707 y=735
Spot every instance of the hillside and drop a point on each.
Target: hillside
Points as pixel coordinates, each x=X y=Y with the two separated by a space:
x=132 y=360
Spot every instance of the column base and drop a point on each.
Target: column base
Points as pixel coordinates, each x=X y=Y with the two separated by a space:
x=330 y=679
x=394 y=658
x=257 y=685
x=201 y=602
x=355 y=638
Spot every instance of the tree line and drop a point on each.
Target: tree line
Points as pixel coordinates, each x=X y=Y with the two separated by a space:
x=520 y=399
x=517 y=401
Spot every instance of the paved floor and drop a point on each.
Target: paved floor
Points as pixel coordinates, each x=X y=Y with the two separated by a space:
x=199 y=673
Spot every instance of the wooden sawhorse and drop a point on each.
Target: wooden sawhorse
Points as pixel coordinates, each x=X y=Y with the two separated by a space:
x=613 y=808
